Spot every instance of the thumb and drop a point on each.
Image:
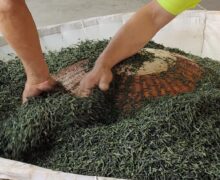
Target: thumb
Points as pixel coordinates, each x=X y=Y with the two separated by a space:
x=105 y=81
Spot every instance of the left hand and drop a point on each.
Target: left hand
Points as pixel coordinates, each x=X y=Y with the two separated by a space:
x=32 y=90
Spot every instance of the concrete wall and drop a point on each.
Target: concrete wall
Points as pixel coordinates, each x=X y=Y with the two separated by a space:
x=59 y=11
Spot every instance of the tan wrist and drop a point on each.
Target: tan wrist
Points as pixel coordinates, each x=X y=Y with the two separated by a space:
x=36 y=77
x=36 y=71
x=104 y=62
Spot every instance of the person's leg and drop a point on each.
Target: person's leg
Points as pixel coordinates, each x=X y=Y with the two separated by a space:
x=19 y=30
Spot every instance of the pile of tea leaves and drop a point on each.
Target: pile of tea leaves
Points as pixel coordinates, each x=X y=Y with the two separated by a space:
x=169 y=137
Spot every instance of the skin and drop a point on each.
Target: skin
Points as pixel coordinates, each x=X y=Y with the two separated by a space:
x=139 y=30
x=19 y=30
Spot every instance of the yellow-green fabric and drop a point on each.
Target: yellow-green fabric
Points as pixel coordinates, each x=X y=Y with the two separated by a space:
x=175 y=7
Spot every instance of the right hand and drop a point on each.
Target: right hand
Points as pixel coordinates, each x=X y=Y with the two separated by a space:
x=100 y=76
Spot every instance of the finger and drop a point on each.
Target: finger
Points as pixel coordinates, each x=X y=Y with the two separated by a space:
x=105 y=81
x=84 y=93
x=85 y=87
x=29 y=92
x=24 y=100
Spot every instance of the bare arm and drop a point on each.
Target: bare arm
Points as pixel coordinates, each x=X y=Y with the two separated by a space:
x=135 y=33
x=18 y=28
x=130 y=39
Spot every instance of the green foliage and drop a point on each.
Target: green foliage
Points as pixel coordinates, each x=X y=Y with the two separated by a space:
x=168 y=138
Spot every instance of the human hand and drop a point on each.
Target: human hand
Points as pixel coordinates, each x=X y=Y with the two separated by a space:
x=32 y=90
x=100 y=76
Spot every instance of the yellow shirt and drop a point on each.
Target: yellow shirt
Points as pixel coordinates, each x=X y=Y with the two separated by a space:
x=175 y=7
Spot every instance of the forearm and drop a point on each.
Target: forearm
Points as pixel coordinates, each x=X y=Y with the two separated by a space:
x=135 y=34
x=18 y=28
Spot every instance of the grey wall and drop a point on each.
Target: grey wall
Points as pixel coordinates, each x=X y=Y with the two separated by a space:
x=59 y=11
